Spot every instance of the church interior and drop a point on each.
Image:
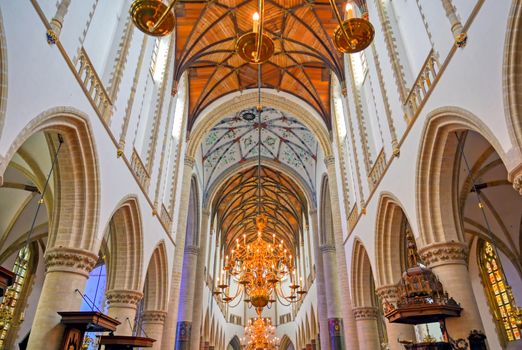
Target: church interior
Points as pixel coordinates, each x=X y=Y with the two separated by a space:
x=261 y=174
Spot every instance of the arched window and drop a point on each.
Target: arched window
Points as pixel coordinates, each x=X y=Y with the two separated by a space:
x=94 y=298
x=12 y=306
x=500 y=300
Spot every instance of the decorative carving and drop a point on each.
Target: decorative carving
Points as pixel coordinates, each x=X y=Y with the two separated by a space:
x=365 y=313
x=127 y=298
x=189 y=161
x=444 y=253
x=183 y=332
x=387 y=293
x=517 y=183
x=63 y=259
x=154 y=316
x=329 y=161
x=51 y=37
x=335 y=326
x=192 y=249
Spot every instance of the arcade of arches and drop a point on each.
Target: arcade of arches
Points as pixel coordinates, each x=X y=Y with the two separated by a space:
x=132 y=166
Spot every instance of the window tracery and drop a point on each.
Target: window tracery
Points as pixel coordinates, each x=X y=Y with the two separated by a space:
x=500 y=300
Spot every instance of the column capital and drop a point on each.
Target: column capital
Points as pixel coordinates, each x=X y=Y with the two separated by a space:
x=387 y=293
x=189 y=161
x=444 y=253
x=192 y=249
x=327 y=248
x=64 y=259
x=154 y=316
x=365 y=313
x=123 y=298
x=517 y=180
x=329 y=161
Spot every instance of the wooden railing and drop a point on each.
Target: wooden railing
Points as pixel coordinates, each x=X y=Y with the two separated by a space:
x=377 y=170
x=93 y=85
x=423 y=84
x=352 y=218
x=140 y=170
x=285 y=318
x=165 y=218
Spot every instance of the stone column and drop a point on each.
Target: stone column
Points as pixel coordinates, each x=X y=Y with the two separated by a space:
x=333 y=299
x=449 y=263
x=197 y=314
x=456 y=27
x=395 y=330
x=321 y=286
x=67 y=269
x=367 y=330
x=169 y=334
x=186 y=300
x=152 y=324
x=350 y=331
x=122 y=307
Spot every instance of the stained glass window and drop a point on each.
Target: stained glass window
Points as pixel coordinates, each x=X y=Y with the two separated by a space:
x=499 y=297
x=9 y=309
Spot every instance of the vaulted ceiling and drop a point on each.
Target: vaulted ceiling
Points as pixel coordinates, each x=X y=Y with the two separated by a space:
x=281 y=200
x=206 y=34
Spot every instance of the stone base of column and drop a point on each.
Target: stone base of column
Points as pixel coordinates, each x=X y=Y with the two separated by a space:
x=335 y=328
x=183 y=331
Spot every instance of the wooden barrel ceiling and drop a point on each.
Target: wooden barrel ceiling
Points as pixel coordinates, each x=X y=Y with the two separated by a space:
x=206 y=34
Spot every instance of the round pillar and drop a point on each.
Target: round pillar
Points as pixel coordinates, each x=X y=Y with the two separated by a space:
x=186 y=300
x=67 y=269
x=395 y=331
x=449 y=263
x=122 y=307
x=367 y=330
x=152 y=324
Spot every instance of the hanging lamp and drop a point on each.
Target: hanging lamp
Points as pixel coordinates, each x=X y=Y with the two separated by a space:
x=153 y=17
x=354 y=34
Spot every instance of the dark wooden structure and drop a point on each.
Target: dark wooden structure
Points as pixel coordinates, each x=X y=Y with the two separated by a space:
x=120 y=342
x=6 y=279
x=78 y=322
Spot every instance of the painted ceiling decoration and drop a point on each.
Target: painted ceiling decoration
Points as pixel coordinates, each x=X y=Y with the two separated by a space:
x=282 y=202
x=283 y=139
x=206 y=34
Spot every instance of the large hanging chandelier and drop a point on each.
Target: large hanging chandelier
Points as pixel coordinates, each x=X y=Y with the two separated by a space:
x=261 y=267
x=260 y=334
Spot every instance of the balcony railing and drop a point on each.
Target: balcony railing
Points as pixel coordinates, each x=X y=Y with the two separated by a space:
x=423 y=84
x=377 y=170
x=93 y=86
x=352 y=218
x=165 y=218
x=140 y=170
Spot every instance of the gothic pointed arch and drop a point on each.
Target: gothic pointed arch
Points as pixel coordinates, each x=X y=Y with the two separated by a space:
x=3 y=74
x=362 y=277
x=235 y=343
x=124 y=239
x=156 y=281
x=286 y=343
x=74 y=214
x=437 y=210
x=326 y=234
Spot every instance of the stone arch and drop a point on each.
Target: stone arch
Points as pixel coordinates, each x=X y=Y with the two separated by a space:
x=390 y=216
x=206 y=327
x=156 y=280
x=512 y=73
x=234 y=102
x=75 y=218
x=362 y=276
x=124 y=237
x=212 y=332
x=326 y=235
x=286 y=343
x=436 y=208
x=307 y=337
x=3 y=74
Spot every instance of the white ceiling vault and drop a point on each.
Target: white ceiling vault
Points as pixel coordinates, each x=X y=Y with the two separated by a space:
x=284 y=139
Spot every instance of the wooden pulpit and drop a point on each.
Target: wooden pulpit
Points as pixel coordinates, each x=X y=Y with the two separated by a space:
x=120 y=342
x=78 y=322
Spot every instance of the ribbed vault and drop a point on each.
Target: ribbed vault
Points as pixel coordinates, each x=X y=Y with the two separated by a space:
x=206 y=34
x=281 y=200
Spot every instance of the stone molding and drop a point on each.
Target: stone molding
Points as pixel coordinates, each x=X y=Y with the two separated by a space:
x=365 y=313
x=327 y=248
x=517 y=182
x=123 y=298
x=387 y=293
x=73 y=260
x=329 y=161
x=444 y=253
x=189 y=161
x=154 y=316
x=192 y=249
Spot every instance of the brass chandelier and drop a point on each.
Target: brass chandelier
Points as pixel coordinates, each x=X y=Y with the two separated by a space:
x=261 y=267
x=260 y=334
x=352 y=35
